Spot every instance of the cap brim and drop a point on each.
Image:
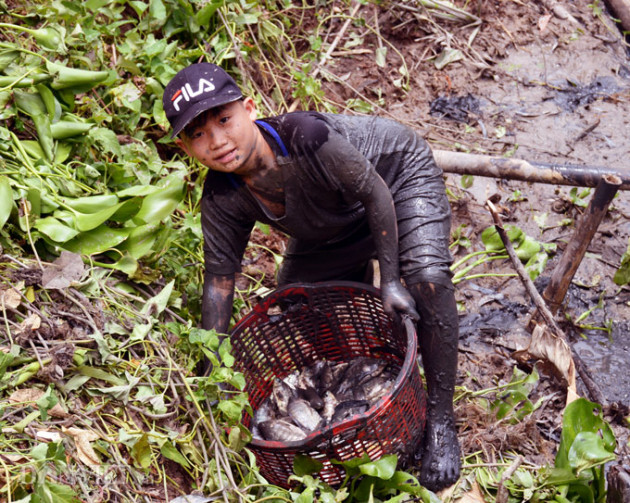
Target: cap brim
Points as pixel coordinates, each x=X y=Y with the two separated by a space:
x=197 y=109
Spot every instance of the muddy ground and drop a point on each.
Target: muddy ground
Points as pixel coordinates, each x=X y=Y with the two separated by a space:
x=535 y=86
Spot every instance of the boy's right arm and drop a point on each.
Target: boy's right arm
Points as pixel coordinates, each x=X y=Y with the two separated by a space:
x=218 y=295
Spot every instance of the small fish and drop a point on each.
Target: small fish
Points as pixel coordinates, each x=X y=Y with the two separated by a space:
x=291 y=380
x=330 y=403
x=312 y=397
x=377 y=387
x=280 y=430
x=264 y=412
x=282 y=394
x=331 y=375
x=304 y=415
x=348 y=409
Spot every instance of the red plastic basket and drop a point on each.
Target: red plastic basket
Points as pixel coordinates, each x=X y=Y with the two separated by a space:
x=298 y=325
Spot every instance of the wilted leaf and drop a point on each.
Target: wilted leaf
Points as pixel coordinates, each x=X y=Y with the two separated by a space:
x=67 y=269
x=141 y=451
x=85 y=453
x=32 y=395
x=546 y=346
x=10 y=298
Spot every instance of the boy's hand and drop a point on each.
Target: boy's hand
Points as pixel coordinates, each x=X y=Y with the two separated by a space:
x=397 y=301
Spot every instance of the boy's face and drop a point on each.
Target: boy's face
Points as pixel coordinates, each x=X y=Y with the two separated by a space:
x=226 y=140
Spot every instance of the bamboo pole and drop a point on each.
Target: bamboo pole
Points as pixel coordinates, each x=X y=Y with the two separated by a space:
x=528 y=171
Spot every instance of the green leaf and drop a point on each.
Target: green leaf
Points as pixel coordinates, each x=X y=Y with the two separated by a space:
x=97 y=241
x=141 y=240
x=582 y=416
x=232 y=409
x=91 y=204
x=157 y=304
x=588 y=450
x=89 y=221
x=161 y=203
x=169 y=451
x=6 y=200
x=46 y=402
x=74 y=78
x=307 y=496
x=55 y=230
x=141 y=451
x=383 y=468
x=305 y=465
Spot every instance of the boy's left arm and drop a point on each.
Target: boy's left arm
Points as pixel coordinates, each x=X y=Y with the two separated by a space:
x=381 y=215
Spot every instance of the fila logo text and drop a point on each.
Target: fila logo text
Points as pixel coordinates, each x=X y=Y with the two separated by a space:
x=186 y=92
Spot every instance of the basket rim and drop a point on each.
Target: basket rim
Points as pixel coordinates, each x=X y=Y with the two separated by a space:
x=316 y=437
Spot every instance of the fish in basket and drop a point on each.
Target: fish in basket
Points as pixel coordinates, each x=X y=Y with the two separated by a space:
x=329 y=375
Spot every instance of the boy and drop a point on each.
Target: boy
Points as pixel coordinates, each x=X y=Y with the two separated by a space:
x=345 y=189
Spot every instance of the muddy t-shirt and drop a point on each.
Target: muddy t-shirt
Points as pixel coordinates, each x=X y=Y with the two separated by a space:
x=331 y=165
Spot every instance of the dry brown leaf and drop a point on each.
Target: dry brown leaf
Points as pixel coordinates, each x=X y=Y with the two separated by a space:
x=473 y=496
x=549 y=348
x=85 y=452
x=10 y=298
x=64 y=271
x=33 y=322
x=31 y=395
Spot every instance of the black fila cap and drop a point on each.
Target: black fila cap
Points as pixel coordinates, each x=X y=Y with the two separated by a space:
x=194 y=90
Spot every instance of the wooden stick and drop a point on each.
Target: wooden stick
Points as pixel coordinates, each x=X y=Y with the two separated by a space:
x=529 y=171
x=566 y=268
x=542 y=309
x=522 y=273
x=502 y=492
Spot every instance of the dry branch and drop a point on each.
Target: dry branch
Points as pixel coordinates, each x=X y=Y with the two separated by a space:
x=528 y=171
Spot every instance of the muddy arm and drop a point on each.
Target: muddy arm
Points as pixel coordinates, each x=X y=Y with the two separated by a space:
x=381 y=215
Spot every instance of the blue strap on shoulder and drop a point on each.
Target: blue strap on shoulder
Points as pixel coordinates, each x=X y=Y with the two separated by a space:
x=275 y=135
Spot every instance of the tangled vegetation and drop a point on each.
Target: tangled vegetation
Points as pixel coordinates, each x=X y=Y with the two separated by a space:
x=101 y=259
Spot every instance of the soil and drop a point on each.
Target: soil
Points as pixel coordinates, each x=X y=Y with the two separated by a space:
x=536 y=87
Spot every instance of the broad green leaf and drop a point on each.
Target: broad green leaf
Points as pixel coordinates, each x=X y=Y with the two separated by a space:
x=6 y=200
x=383 y=468
x=140 y=241
x=89 y=221
x=55 y=230
x=588 y=450
x=582 y=416
x=75 y=79
x=97 y=241
x=305 y=465
x=169 y=451
x=162 y=203
x=126 y=264
x=91 y=204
